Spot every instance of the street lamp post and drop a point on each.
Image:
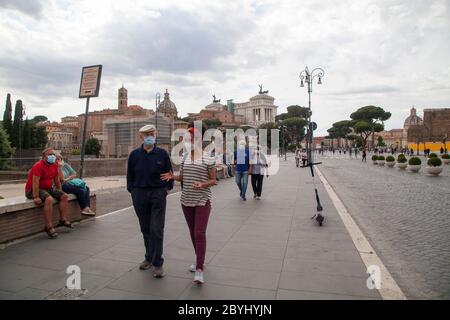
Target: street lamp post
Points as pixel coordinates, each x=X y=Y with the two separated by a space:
x=308 y=77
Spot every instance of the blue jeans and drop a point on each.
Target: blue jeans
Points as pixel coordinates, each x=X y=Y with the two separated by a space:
x=150 y=208
x=83 y=195
x=242 y=182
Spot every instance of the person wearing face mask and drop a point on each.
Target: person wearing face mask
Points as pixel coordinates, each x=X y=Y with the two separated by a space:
x=241 y=168
x=198 y=174
x=72 y=185
x=43 y=185
x=149 y=192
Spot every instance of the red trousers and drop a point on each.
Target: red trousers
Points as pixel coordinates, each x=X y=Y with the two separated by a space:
x=197 y=220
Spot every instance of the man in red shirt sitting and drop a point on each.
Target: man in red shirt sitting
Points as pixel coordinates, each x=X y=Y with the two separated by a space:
x=43 y=185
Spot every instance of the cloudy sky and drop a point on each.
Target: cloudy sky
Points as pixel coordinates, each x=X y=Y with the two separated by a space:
x=394 y=54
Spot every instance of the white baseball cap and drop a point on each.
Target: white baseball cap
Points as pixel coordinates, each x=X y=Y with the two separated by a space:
x=147 y=128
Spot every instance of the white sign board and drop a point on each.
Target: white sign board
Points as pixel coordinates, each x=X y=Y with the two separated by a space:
x=90 y=81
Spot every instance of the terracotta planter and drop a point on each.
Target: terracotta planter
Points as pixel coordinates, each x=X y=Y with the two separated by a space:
x=381 y=162
x=402 y=165
x=435 y=171
x=446 y=161
x=390 y=164
x=414 y=168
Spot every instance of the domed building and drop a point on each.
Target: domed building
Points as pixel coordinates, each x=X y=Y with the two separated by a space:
x=412 y=120
x=167 y=108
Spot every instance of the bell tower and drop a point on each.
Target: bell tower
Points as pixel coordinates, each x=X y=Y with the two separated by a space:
x=123 y=99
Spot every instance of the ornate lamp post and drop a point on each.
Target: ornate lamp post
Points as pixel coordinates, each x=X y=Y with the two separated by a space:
x=308 y=77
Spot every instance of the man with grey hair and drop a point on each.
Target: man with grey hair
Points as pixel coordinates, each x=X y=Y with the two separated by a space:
x=43 y=185
x=145 y=166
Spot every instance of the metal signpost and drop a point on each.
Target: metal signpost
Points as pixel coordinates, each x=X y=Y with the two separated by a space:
x=89 y=88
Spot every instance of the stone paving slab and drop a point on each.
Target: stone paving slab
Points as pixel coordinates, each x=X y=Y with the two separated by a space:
x=267 y=249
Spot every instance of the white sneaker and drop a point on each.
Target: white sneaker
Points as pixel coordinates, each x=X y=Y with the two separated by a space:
x=193 y=268
x=198 y=279
x=88 y=213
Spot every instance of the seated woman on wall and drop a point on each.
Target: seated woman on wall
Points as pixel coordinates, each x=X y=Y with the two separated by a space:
x=71 y=184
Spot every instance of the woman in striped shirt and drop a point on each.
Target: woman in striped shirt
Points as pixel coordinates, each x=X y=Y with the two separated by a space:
x=197 y=174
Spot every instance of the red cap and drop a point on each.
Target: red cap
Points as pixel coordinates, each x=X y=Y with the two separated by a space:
x=192 y=130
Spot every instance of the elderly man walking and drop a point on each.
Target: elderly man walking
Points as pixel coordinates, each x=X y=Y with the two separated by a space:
x=43 y=184
x=149 y=192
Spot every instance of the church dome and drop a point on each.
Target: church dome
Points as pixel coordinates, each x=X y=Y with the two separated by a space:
x=167 y=107
x=413 y=119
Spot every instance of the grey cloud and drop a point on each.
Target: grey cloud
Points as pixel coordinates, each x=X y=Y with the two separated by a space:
x=33 y=8
x=365 y=90
x=176 y=42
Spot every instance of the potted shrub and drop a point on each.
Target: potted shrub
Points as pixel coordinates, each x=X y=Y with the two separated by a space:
x=414 y=164
x=402 y=162
x=432 y=155
x=390 y=161
x=374 y=159
x=381 y=160
x=434 y=166
x=446 y=158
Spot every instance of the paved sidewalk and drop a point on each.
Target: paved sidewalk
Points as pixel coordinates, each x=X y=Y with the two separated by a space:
x=268 y=249
x=95 y=183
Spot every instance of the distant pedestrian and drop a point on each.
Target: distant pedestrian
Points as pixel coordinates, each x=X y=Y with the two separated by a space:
x=442 y=150
x=364 y=156
x=297 y=157
x=350 y=152
x=241 y=168
x=304 y=156
x=198 y=174
x=145 y=166
x=259 y=165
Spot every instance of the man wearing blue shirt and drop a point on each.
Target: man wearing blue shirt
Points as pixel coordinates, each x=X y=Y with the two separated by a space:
x=241 y=168
x=149 y=192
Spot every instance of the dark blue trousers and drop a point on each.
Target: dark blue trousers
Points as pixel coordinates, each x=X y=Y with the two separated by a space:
x=150 y=207
x=83 y=196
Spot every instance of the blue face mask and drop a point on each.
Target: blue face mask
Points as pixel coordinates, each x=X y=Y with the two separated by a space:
x=149 y=140
x=51 y=159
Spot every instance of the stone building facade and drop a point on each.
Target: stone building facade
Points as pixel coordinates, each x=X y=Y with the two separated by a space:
x=259 y=110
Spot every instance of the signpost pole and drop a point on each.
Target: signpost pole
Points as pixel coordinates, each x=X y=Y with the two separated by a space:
x=89 y=87
x=83 y=143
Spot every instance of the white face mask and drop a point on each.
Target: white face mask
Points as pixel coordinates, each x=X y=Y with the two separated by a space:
x=187 y=146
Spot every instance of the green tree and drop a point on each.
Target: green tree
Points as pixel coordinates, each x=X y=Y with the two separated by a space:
x=295 y=128
x=37 y=119
x=39 y=138
x=93 y=147
x=269 y=126
x=6 y=150
x=368 y=120
x=7 y=116
x=212 y=123
x=293 y=112
x=340 y=129
x=381 y=142
x=27 y=135
x=16 y=138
